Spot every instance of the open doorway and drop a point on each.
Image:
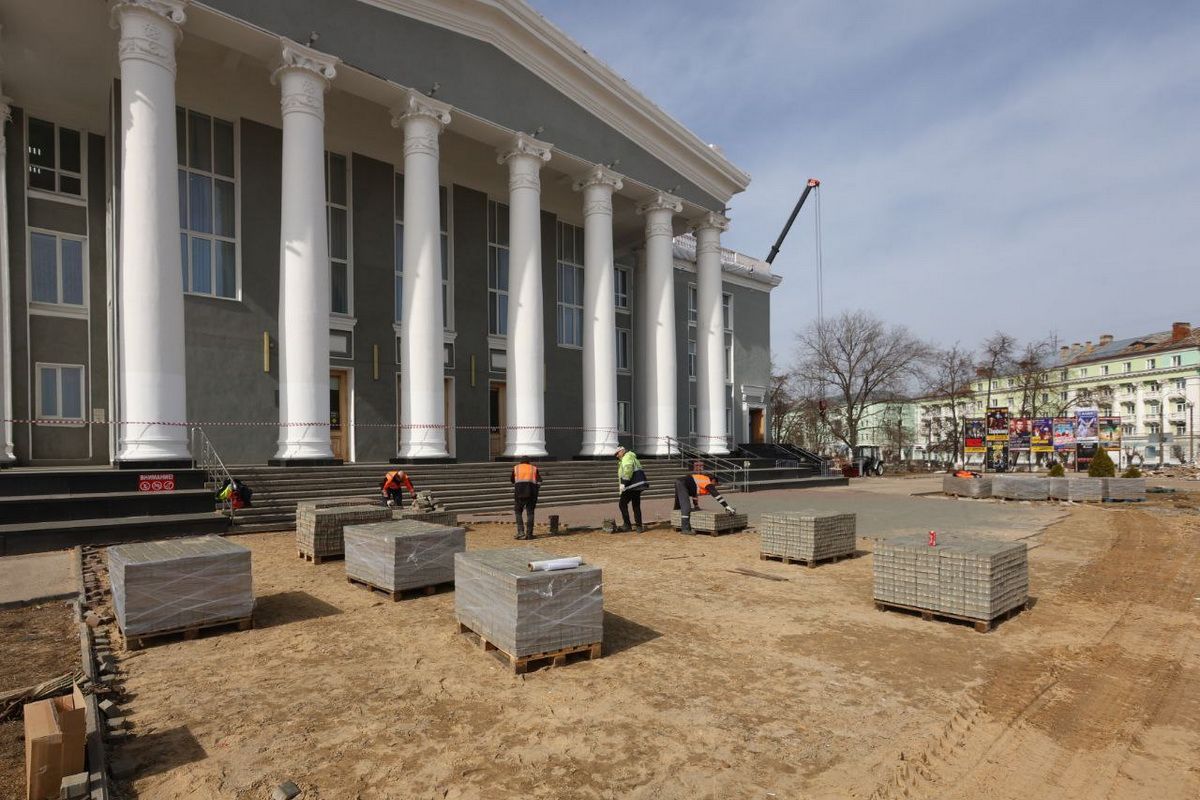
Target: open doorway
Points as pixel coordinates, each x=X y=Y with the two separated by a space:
x=497 y=419
x=758 y=425
x=339 y=417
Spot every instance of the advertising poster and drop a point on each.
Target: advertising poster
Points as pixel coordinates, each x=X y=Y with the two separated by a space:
x=997 y=457
x=997 y=424
x=1087 y=426
x=1084 y=453
x=974 y=436
x=1041 y=440
x=1064 y=433
x=1110 y=433
x=1020 y=434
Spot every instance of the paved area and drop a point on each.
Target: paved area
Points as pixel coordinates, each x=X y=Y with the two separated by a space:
x=885 y=507
x=34 y=578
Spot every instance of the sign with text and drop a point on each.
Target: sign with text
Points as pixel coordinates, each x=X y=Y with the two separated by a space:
x=1020 y=433
x=997 y=424
x=974 y=436
x=1087 y=426
x=1041 y=440
x=156 y=482
x=1110 y=433
x=1064 y=433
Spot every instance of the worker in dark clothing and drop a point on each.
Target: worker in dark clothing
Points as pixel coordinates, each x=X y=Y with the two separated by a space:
x=393 y=486
x=632 y=483
x=526 y=480
x=687 y=497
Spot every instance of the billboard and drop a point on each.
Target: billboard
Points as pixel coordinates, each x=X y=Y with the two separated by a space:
x=997 y=424
x=1064 y=433
x=1084 y=453
x=1087 y=426
x=1110 y=433
x=1041 y=439
x=974 y=435
x=996 y=459
x=1020 y=433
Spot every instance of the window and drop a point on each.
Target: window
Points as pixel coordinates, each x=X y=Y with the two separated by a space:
x=1104 y=369
x=1176 y=361
x=60 y=391
x=398 y=245
x=570 y=285
x=1180 y=383
x=1152 y=427
x=1045 y=397
x=1180 y=407
x=447 y=284
x=1062 y=376
x=727 y=311
x=55 y=158
x=995 y=384
x=693 y=306
x=1180 y=429
x=1127 y=366
x=623 y=350
x=621 y=288
x=1083 y=372
x=207 y=200
x=623 y=417
x=497 y=268
x=728 y=361
x=1062 y=396
x=692 y=420
x=337 y=218
x=1012 y=383
x=1150 y=363
x=691 y=359
x=56 y=270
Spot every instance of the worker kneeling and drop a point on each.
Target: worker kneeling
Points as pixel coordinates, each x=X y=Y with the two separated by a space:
x=687 y=497
x=526 y=480
x=393 y=486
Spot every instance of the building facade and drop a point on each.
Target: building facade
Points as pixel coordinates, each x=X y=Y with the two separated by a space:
x=357 y=230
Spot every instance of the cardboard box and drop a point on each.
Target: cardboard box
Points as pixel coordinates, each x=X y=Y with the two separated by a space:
x=55 y=731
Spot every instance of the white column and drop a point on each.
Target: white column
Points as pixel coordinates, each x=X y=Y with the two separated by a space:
x=7 y=455
x=303 y=78
x=422 y=376
x=525 y=386
x=659 y=324
x=599 y=313
x=710 y=336
x=150 y=336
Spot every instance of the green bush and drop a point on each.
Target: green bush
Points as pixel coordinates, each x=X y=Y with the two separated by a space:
x=1132 y=472
x=1102 y=465
x=1056 y=471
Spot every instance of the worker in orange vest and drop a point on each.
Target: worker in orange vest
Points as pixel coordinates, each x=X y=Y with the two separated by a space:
x=526 y=480
x=393 y=486
x=687 y=497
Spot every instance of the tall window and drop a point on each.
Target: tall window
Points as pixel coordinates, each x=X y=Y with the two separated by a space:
x=1149 y=363
x=337 y=217
x=570 y=285
x=728 y=360
x=55 y=158
x=398 y=242
x=1176 y=361
x=207 y=213
x=692 y=420
x=691 y=359
x=447 y=284
x=497 y=268
x=693 y=306
x=56 y=269
x=1104 y=369
x=623 y=349
x=621 y=288
x=727 y=311
x=624 y=417
x=60 y=391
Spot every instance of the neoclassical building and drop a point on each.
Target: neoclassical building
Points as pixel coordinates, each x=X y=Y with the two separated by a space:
x=361 y=230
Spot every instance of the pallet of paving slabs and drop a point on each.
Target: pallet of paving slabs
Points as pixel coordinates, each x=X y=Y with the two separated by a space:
x=527 y=614
x=319 y=532
x=1079 y=490
x=1020 y=487
x=806 y=536
x=712 y=522
x=400 y=555
x=967 y=487
x=1124 y=489
x=449 y=518
x=179 y=585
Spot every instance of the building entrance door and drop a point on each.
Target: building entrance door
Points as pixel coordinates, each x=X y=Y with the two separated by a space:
x=339 y=397
x=758 y=428
x=497 y=420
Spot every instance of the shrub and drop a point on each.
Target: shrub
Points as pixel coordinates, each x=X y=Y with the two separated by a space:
x=1132 y=472
x=1102 y=465
x=1056 y=471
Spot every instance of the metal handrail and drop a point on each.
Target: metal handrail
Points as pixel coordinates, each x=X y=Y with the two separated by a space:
x=206 y=457
x=738 y=476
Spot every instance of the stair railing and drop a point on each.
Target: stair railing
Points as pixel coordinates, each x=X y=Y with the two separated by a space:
x=206 y=457
x=728 y=472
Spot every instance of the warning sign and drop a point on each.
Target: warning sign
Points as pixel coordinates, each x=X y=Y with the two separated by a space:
x=156 y=482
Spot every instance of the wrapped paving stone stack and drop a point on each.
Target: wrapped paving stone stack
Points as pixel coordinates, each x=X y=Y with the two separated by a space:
x=402 y=554
x=319 y=532
x=432 y=517
x=807 y=536
x=977 y=579
x=522 y=612
x=1124 y=488
x=713 y=521
x=967 y=487
x=1020 y=487
x=1080 y=490
x=179 y=583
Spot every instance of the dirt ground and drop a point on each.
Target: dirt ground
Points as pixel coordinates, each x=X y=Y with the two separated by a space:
x=714 y=684
x=37 y=643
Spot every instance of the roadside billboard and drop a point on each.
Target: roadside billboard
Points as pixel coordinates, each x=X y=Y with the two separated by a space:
x=1087 y=426
x=1110 y=433
x=974 y=436
x=1041 y=439
x=1064 y=433
x=1020 y=433
x=997 y=424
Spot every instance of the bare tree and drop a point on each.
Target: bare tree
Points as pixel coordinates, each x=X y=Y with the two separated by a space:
x=782 y=400
x=949 y=374
x=996 y=359
x=857 y=359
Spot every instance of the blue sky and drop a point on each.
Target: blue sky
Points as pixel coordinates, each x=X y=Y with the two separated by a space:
x=1026 y=166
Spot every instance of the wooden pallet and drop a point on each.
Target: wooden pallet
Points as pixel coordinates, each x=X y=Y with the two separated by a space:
x=400 y=594
x=982 y=626
x=698 y=532
x=189 y=631
x=316 y=559
x=520 y=664
x=808 y=562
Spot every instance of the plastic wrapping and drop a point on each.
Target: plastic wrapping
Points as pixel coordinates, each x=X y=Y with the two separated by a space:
x=967 y=487
x=402 y=554
x=524 y=613
x=1080 y=490
x=1124 y=488
x=1021 y=487
x=806 y=535
x=319 y=525
x=449 y=518
x=179 y=583
x=968 y=577
x=570 y=562
x=713 y=521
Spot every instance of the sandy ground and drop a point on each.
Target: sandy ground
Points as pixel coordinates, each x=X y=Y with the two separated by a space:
x=714 y=684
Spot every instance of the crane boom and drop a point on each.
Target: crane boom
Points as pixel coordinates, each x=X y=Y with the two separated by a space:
x=813 y=183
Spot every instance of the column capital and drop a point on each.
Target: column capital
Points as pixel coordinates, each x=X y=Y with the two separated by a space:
x=662 y=201
x=524 y=145
x=319 y=69
x=155 y=38
x=413 y=104
x=599 y=175
x=710 y=221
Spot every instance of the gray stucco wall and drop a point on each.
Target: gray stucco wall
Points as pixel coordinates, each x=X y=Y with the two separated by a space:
x=469 y=208
x=751 y=346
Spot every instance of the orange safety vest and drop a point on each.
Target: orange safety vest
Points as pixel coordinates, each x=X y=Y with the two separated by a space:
x=525 y=473
x=394 y=479
x=703 y=482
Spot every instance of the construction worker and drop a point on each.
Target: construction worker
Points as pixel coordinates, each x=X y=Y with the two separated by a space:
x=526 y=480
x=687 y=497
x=393 y=486
x=632 y=483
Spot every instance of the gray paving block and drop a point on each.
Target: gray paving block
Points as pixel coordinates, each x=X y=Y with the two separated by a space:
x=319 y=525
x=523 y=612
x=1080 y=490
x=1021 y=487
x=967 y=487
x=179 y=583
x=449 y=518
x=1124 y=488
x=402 y=554
x=713 y=521
x=806 y=535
